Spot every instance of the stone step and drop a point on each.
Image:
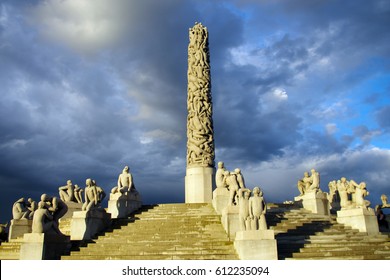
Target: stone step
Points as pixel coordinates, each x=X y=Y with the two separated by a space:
x=154 y=257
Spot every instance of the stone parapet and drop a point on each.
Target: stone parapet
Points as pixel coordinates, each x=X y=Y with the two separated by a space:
x=43 y=246
x=220 y=199
x=361 y=219
x=256 y=245
x=316 y=202
x=86 y=224
x=19 y=227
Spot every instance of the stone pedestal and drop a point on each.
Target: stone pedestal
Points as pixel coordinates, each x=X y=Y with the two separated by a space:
x=19 y=227
x=199 y=183
x=43 y=246
x=230 y=220
x=72 y=207
x=256 y=245
x=220 y=199
x=122 y=205
x=317 y=203
x=361 y=219
x=86 y=224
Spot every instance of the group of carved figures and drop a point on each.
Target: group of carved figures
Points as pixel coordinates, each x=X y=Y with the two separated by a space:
x=200 y=144
x=252 y=209
x=47 y=212
x=309 y=183
x=351 y=193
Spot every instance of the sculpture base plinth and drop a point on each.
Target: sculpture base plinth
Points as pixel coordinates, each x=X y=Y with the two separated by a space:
x=72 y=207
x=256 y=245
x=86 y=224
x=19 y=227
x=361 y=219
x=317 y=203
x=43 y=246
x=122 y=205
x=221 y=198
x=230 y=220
x=199 y=184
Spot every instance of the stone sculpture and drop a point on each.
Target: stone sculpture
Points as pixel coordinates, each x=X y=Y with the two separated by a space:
x=257 y=210
x=125 y=182
x=304 y=183
x=232 y=184
x=240 y=178
x=43 y=220
x=315 y=181
x=200 y=140
x=67 y=192
x=385 y=204
x=78 y=194
x=351 y=193
x=93 y=195
x=219 y=176
x=20 y=210
x=243 y=213
x=57 y=208
x=332 y=191
x=31 y=205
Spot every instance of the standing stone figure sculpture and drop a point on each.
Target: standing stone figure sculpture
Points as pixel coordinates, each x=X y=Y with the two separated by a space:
x=233 y=186
x=257 y=210
x=243 y=212
x=200 y=143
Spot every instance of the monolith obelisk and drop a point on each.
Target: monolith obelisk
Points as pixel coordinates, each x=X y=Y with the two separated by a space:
x=200 y=134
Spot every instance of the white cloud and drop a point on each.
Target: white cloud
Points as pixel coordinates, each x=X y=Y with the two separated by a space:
x=80 y=24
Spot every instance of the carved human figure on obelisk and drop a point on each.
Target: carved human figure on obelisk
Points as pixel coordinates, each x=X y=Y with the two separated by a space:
x=200 y=134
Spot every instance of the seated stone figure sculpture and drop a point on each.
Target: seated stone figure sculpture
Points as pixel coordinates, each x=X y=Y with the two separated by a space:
x=304 y=183
x=219 y=176
x=125 y=182
x=20 y=210
x=101 y=194
x=243 y=212
x=78 y=194
x=257 y=210
x=91 y=197
x=315 y=182
x=43 y=220
x=67 y=192
x=57 y=207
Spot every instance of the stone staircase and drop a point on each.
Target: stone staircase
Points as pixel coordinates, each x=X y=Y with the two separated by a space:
x=303 y=235
x=163 y=232
x=11 y=250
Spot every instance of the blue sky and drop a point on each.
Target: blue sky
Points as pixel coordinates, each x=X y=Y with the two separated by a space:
x=91 y=86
